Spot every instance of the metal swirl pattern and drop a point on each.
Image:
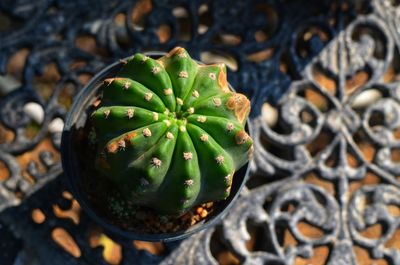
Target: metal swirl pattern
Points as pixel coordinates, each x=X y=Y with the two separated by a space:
x=323 y=78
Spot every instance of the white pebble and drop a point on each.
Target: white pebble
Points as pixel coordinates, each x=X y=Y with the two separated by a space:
x=366 y=98
x=34 y=111
x=269 y=114
x=56 y=125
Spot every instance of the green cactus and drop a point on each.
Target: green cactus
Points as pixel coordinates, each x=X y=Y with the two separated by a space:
x=171 y=132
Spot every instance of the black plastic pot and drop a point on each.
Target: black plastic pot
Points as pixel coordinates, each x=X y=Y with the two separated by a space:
x=76 y=119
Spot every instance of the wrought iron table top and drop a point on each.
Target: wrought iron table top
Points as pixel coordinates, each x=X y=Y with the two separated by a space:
x=323 y=78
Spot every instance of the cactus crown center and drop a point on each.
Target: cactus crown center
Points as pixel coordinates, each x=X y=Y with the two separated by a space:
x=179 y=115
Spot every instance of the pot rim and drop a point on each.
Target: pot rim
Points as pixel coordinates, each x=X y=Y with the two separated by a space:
x=66 y=151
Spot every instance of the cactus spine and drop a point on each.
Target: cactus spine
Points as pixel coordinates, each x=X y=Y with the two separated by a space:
x=171 y=132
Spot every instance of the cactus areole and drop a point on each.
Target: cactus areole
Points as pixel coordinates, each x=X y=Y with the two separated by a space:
x=170 y=132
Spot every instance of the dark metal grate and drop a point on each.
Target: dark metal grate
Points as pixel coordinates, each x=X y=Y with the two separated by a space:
x=323 y=77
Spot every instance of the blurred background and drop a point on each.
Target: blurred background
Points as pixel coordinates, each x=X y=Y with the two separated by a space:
x=323 y=78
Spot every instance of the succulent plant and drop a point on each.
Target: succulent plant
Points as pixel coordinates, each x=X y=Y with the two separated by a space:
x=170 y=132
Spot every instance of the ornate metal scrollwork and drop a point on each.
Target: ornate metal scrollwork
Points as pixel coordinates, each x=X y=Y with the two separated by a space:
x=323 y=77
